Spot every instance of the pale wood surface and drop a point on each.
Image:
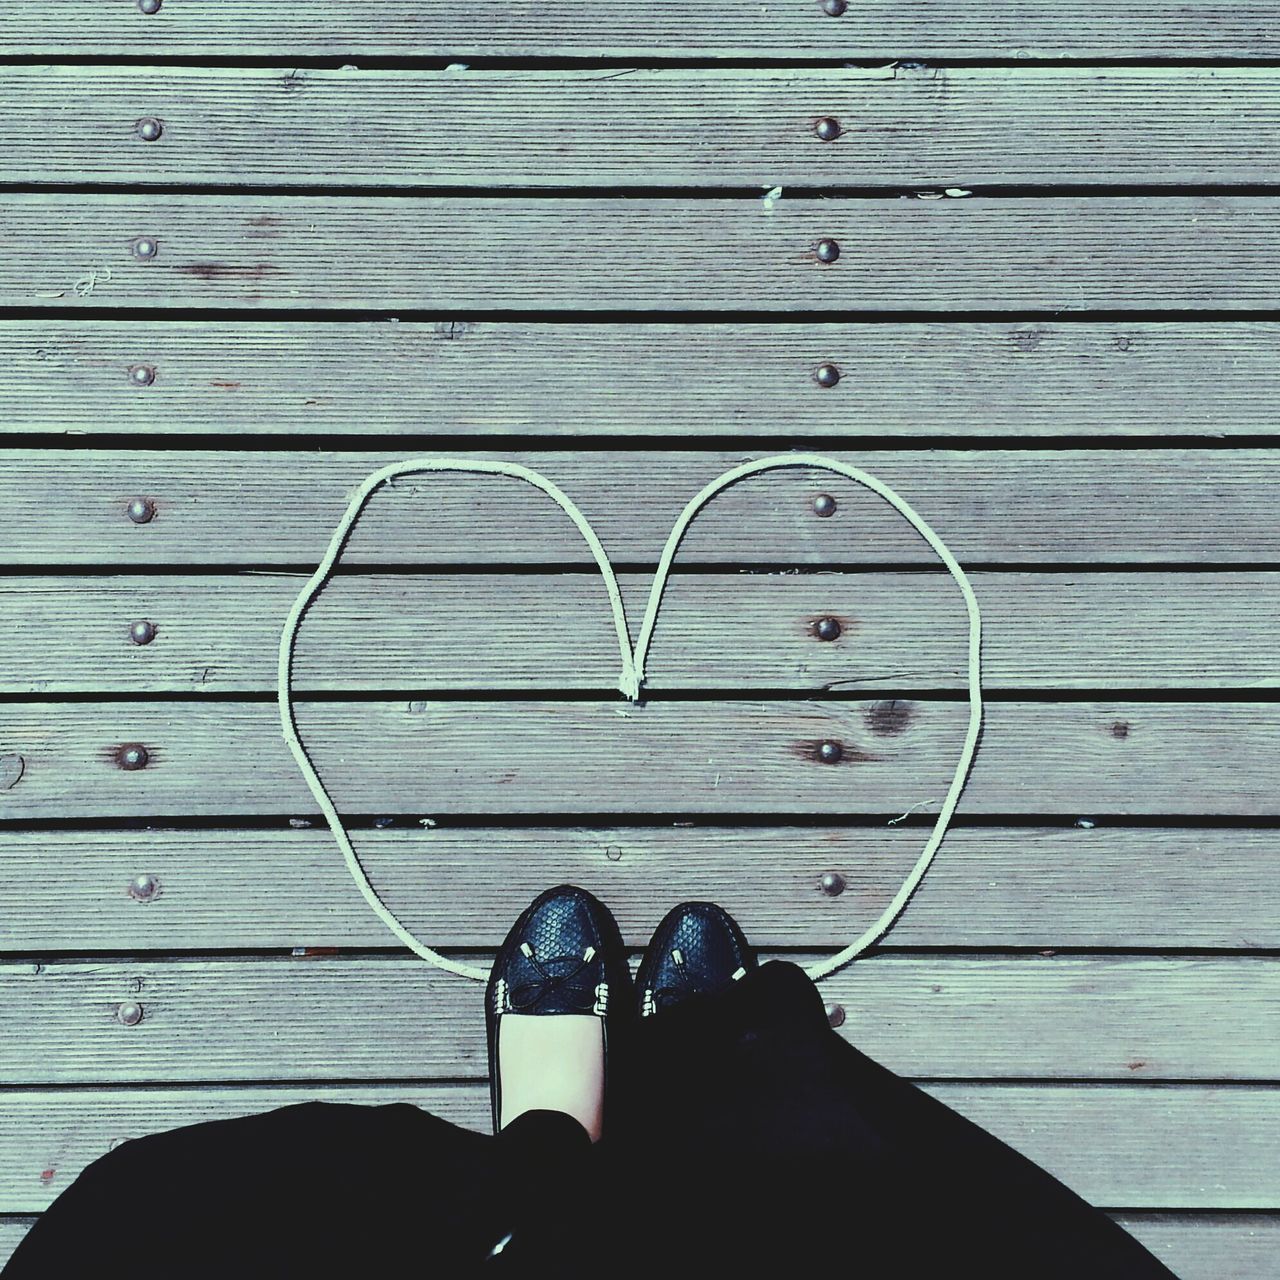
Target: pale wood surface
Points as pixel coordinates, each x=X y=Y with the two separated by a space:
x=1223 y=1247
x=878 y=29
x=1065 y=253
x=450 y=377
x=1046 y=887
x=431 y=757
x=749 y=127
x=1212 y=1139
x=280 y=507
x=1103 y=997
x=382 y=1017
x=218 y=633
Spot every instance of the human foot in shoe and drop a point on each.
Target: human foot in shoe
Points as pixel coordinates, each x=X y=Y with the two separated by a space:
x=559 y=989
x=698 y=948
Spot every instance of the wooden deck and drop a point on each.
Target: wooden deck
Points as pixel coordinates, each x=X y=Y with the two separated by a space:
x=588 y=241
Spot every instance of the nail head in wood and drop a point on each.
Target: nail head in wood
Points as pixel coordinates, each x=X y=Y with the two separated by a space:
x=832 y=884
x=828 y=128
x=833 y=8
x=827 y=375
x=830 y=752
x=133 y=755
x=824 y=505
x=153 y=6
x=142 y=888
x=828 y=250
x=142 y=631
x=145 y=247
x=129 y=1014
x=149 y=128
x=142 y=375
x=835 y=1015
x=827 y=629
x=141 y=510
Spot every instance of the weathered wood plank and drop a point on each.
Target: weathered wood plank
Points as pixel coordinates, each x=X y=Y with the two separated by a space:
x=933 y=126
x=280 y=507
x=1195 y=1247
x=591 y=380
x=334 y=1018
x=1121 y=888
x=218 y=633
x=874 y=29
x=1223 y=1247
x=1214 y=1142
x=1059 y=253
x=435 y=758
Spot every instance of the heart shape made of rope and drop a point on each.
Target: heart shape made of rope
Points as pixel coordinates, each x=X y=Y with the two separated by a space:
x=633 y=661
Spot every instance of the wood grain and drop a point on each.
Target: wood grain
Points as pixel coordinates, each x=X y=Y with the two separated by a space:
x=934 y=127
x=386 y=1018
x=280 y=507
x=877 y=29
x=656 y=254
x=962 y=379
x=1213 y=1141
x=218 y=633
x=440 y=758
x=1044 y=887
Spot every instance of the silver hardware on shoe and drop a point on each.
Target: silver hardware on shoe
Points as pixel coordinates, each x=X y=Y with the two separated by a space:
x=739 y=973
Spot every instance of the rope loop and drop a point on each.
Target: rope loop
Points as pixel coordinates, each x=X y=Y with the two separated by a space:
x=631 y=677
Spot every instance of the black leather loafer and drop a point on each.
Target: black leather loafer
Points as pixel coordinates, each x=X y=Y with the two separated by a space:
x=564 y=954
x=698 y=948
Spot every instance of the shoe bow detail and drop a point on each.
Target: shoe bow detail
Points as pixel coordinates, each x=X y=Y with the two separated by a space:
x=568 y=985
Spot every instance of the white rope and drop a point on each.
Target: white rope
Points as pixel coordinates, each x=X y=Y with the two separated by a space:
x=633 y=662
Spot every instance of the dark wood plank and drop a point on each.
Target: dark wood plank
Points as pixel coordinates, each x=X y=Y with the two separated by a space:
x=335 y=1018
x=1045 y=887
x=603 y=254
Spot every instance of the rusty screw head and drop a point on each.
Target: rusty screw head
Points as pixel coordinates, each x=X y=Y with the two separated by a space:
x=129 y=1013
x=828 y=128
x=142 y=888
x=141 y=510
x=828 y=250
x=149 y=128
x=142 y=375
x=153 y=6
x=827 y=375
x=142 y=631
x=830 y=752
x=824 y=505
x=835 y=1015
x=145 y=247
x=827 y=629
x=832 y=884
x=832 y=7
x=133 y=755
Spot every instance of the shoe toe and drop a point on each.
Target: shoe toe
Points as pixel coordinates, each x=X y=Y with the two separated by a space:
x=698 y=948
